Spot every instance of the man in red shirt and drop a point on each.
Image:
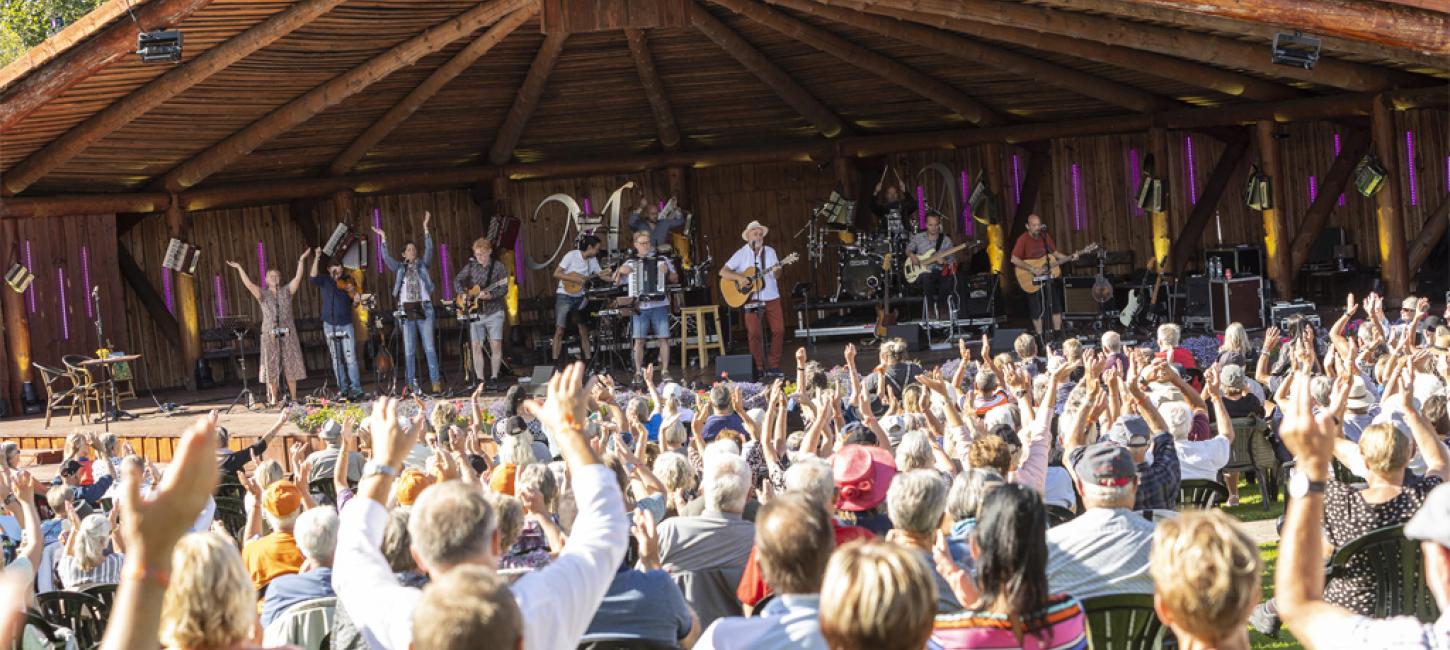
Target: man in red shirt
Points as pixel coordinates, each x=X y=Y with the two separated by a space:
x=1036 y=253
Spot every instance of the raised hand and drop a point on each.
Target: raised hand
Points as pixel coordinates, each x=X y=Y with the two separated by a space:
x=391 y=443
x=151 y=527
x=234 y=265
x=646 y=535
x=850 y=355
x=564 y=412
x=1349 y=305
x=964 y=350
x=1271 y=337
x=1299 y=430
x=426 y=217
x=381 y=236
x=800 y=356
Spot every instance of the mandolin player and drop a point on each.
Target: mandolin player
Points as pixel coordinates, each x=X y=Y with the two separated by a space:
x=1036 y=253
x=936 y=283
x=484 y=282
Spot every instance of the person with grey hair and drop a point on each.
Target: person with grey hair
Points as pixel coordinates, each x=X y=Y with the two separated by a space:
x=916 y=502
x=452 y=525
x=964 y=498
x=324 y=462
x=914 y=452
x=723 y=416
x=88 y=558
x=1169 y=336
x=316 y=533
x=1200 y=459
x=707 y=553
x=1114 y=357
x=234 y=462
x=1105 y=550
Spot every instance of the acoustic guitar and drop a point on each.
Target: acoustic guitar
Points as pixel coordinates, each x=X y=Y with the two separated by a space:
x=737 y=293
x=471 y=301
x=1046 y=269
x=917 y=265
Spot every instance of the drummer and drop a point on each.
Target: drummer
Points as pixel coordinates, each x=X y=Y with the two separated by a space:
x=646 y=218
x=653 y=319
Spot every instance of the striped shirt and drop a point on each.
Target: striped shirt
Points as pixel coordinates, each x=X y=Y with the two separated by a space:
x=1065 y=629
x=73 y=577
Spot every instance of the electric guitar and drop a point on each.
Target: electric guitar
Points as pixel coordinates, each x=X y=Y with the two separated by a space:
x=1135 y=306
x=471 y=301
x=738 y=292
x=918 y=264
x=1045 y=269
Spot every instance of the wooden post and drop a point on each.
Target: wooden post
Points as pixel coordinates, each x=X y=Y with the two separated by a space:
x=1394 y=267
x=17 y=321
x=1276 y=225
x=996 y=238
x=187 y=315
x=1330 y=189
x=1037 y=162
x=1162 y=241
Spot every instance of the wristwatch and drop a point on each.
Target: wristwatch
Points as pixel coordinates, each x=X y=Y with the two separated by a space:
x=1300 y=485
x=374 y=467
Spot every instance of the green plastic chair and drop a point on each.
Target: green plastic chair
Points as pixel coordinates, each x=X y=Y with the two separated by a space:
x=1057 y=515
x=233 y=515
x=1123 y=622
x=83 y=614
x=1201 y=494
x=1253 y=454
x=1397 y=568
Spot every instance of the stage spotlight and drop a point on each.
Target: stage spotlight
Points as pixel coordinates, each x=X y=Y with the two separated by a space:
x=1369 y=175
x=19 y=278
x=1259 y=191
x=159 y=46
x=1150 y=194
x=1295 y=50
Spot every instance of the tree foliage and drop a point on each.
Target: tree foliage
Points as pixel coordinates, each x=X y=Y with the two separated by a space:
x=26 y=23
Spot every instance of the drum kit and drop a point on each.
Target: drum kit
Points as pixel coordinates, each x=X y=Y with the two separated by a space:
x=869 y=262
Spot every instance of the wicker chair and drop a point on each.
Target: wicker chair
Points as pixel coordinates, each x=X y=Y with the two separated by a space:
x=89 y=390
x=60 y=391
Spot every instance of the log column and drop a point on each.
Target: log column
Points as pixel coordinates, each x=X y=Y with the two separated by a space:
x=1390 y=218
x=1276 y=224
x=997 y=191
x=499 y=205
x=187 y=314
x=17 y=323
x=1162 y=238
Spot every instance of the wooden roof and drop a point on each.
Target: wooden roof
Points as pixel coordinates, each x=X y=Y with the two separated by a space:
x=243 y=122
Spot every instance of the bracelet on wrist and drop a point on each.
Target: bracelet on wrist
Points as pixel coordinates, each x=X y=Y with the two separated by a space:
x=138 y=573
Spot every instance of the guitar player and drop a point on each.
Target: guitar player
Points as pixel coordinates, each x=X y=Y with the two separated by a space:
x=1036 y=244
x=483 y=272
x=755 y=254
x=936 y=283
x=578 y=266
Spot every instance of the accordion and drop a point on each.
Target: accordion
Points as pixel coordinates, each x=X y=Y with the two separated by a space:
x=348 y=247
x=647 y=280
x=181 y=257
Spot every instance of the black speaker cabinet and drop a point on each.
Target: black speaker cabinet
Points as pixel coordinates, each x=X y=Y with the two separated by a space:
x=735 y=367
x=1197 y=303
x=909 y=332
x=1003 y=337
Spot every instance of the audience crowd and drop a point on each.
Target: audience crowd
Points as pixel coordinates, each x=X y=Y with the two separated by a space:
x=991 y=502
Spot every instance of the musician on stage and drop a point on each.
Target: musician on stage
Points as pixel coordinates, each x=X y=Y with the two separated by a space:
x=892 y=206
x=486 y=274
x=936 y=284
x=578 y=265
x=653 y=319
x=337 y=330
x=755 y=254
x=646 y=217
x=413 y=294
x=1037 y=244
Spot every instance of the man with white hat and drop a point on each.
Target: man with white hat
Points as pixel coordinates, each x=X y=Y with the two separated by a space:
x=1362 y=405
x=765 y=302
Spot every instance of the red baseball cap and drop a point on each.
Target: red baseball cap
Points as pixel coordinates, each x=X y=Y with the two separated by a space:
x=862 y=475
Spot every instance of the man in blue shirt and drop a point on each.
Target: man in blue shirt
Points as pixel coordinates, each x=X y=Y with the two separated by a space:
x=316 y=534
x=646 y=218
x=337 y=305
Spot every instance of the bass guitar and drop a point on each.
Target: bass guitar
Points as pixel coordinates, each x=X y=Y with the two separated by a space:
x=917 y=265
x=737 y=293
x=1045 y=269
x=471 y=301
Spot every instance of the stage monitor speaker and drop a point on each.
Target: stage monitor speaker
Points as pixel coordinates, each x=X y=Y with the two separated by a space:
x=1077 y=295
x=539 y=380
x=1003 y=337
x=1198 y=298
x=909 y=332
x=735 y=367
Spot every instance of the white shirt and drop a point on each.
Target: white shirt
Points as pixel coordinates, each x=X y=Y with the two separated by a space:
x=1060 y=491
x=574 y=262
x=745 y=258
x=557 y=601
x=1201 y=459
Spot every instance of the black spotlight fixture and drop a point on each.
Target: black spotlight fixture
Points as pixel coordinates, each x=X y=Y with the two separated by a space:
x=1295 y=50
x=1369 y=175
x=1259 y=191
x=159 y=46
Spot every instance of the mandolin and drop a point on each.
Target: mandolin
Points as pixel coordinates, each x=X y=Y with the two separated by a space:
x=737 y=293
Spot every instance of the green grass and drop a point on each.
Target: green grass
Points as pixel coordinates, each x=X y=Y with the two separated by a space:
x=1250 y=508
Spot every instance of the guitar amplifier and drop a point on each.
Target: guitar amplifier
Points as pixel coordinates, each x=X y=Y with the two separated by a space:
x=1077 y=296
x=1237 y=300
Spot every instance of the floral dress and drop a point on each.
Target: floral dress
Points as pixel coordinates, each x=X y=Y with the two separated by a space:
x=280 y=353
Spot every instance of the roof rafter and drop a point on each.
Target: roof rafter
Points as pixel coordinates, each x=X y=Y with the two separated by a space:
x=1162 y=40
x=527 y=98
x=335 y=90
x=953 y=45
x=424 y=91
x=785 y=87
x=654 y=91
x=159 y=90
x=60 y=73
x=889 y=69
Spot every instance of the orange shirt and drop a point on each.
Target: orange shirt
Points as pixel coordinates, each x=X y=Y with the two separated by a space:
x=502 y=479
x=271 y=556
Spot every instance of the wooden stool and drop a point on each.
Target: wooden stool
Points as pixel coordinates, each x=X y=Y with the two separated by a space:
x=703 y=316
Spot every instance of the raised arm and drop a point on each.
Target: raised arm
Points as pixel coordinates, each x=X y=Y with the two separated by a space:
x=1213 y=388
x=316 y=262
x=246 y=281
x=296 y=282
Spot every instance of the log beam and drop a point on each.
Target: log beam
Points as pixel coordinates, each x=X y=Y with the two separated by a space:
x=527 y=99
x=1220 y=51
x=41 y=86
x=1133 y=10
x=1430 y=233
x=1191 y=236
x=1330 y=189
x=823 y=119
x=17 y=318
x=188 y=314
x=1389 y=209
x=158 y=91
x=1418 y=30
x=1077 y=81
x=151 y=300
x=882 y=66
x=654 y=90
x=1168 y=67
x=334 y=91
x=1276 y=223
x=424 y=91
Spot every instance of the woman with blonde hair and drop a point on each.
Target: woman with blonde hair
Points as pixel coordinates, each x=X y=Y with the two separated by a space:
x=1205 y=579
x=877 y=596
x=210 y=602
x=88 y=558
x=1236 y=348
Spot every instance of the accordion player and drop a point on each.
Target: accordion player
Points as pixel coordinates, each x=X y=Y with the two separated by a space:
x=647 y=279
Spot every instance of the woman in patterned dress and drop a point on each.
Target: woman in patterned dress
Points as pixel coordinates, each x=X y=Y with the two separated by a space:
x=281 y=349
